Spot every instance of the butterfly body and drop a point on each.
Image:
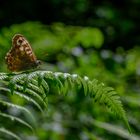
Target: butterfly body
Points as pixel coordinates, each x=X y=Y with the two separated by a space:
x=21 y=56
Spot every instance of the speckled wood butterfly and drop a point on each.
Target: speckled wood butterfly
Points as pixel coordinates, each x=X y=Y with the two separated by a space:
x=21 y=56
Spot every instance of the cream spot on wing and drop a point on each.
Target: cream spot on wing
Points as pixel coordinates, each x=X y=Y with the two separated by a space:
x=29 y=52
x=27 y=49
x=19 y=41
x=21 y=48
x=24 y=43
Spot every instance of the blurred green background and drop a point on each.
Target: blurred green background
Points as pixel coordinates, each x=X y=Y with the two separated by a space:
x=99 y=39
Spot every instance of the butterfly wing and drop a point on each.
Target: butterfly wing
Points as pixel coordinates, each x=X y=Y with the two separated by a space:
x=21 y=56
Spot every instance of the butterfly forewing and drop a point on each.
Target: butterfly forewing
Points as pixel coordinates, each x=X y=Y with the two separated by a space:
x=21 y=56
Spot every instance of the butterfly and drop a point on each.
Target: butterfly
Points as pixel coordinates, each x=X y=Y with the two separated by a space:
x=21 y=56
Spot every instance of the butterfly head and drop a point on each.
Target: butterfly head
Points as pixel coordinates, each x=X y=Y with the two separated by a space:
x=38 y=62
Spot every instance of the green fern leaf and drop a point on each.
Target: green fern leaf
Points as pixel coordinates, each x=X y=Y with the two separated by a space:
x=13 y=118
x=11 y=134
x=41 y=83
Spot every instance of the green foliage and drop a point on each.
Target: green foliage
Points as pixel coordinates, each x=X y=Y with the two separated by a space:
x=59 y=47
x=90 y=37
x=102 y=43
x=53 y=39
x=35 y=87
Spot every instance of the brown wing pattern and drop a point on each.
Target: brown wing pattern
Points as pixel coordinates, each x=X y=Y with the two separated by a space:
x=21 y=56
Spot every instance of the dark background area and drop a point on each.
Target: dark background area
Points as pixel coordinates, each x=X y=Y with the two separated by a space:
x=119 y=20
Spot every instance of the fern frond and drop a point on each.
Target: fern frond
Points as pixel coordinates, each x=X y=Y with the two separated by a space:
x=3 y=76
x=41 y=83
x=119 y=131
x=19 y=108
x=115 y=129
x=27 y=98
x=9 y=133
x=16 y=119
